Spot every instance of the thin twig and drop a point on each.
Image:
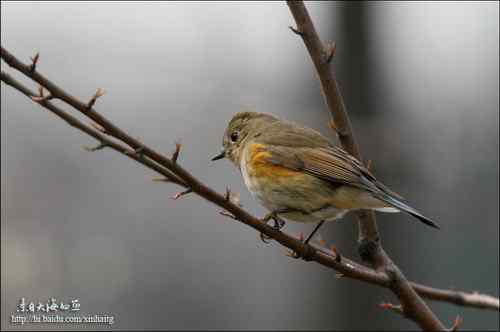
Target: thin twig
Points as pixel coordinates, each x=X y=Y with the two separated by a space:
x=474 y=299
x=104 y=141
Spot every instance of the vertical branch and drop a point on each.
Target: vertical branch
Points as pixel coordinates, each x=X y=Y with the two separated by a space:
x=321 y=57
x=369 y=241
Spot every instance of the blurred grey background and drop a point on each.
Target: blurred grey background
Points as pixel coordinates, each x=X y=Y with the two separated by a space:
x=421 y=84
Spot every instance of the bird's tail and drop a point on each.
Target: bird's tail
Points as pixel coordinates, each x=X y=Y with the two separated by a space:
x=403 y=207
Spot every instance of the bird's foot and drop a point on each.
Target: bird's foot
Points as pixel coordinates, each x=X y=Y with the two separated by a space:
x=308 y=251
x=279 y=223
x=306 y=254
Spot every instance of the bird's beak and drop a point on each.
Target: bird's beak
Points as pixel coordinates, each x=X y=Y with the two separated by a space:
x=220 y=155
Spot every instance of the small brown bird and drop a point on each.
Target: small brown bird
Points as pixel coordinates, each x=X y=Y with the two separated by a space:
x=297 y=174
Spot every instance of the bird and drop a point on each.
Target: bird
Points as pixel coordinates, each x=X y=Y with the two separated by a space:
x=299 y=175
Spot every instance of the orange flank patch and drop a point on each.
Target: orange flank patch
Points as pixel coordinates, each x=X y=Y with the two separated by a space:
x=258 y=164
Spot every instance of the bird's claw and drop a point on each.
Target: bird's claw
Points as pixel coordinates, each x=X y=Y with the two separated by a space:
x=278 y=224
x=264 y=238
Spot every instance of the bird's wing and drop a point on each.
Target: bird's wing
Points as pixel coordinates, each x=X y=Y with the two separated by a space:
x=331 y=164
x=336 y=166
x=304 y=149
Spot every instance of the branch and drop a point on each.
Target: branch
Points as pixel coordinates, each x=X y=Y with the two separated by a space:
x=104 y=141
x=173 y=172
x=370 y=247
x=340 y=123
x=474 y=299
x=327 y=258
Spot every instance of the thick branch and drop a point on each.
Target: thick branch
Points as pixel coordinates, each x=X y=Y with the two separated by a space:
x=168 y=167
x=414 y=307
x=368 y=231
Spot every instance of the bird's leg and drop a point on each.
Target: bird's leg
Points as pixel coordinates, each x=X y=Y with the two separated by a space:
x=278 y=222
x=314 y=232
x=296 y=254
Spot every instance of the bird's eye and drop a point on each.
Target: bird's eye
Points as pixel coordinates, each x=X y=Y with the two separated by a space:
x=234 y=136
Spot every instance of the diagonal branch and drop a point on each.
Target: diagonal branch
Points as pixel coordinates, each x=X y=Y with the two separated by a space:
x=170 y=169
x=103 y=140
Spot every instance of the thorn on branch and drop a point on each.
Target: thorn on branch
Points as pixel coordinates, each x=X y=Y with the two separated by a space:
x=389 y=306
x=181 y=193
x=160 y=179
x=34 y=61
x=321 y=241
x=227 y=214
x=456 y=324
x=296 y=31
x=330 y=51
x=232 y=197
x=96 y=95
x=175 y=155
x=42 y=99
x=227 y=197
x=100 y=146
x=338 y=257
